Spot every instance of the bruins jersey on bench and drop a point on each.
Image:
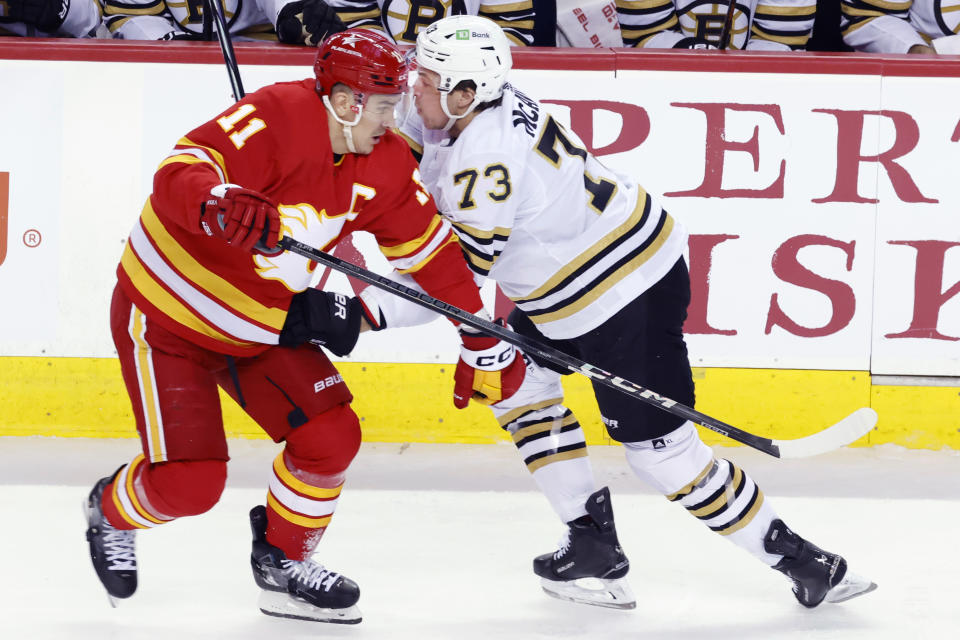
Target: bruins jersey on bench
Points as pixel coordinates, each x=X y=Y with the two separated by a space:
x=402 y=20
x=879 y=26
x=773 y=25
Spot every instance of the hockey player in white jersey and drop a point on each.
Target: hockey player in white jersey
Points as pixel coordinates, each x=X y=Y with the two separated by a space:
x=914 y=26
x=595 y=267
x=768 y=25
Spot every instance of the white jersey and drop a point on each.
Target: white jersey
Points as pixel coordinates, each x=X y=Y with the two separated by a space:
x=169 y=19
x=570 y=241
x=772 y=25
x=402 y=20
x=878 y=26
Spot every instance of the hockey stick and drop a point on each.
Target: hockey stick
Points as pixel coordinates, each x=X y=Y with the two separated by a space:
x=842 y=433
x=226 y=47
x=727 y=30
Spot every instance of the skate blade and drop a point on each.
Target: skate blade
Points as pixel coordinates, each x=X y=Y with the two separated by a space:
x=599 y=592
x=283 y=605
x=851 y=586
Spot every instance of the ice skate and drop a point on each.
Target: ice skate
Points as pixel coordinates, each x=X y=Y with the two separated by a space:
x=301 y=590
x=817 y=575
x=589 y=567
x=113 y=551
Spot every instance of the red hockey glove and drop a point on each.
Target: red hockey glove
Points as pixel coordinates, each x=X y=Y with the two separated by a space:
x=489 y=370
x=241 y=217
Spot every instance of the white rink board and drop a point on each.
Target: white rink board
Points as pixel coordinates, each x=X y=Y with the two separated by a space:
x=89 y=135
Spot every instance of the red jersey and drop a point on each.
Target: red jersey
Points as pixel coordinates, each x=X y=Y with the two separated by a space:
x=276 y=141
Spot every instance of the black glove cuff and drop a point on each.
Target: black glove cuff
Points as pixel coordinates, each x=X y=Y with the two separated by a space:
x=343 y=342
x=324 y=318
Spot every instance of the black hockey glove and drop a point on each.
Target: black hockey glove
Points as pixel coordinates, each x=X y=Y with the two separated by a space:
x=45 y=15
x=307 y=22
x=323 y=318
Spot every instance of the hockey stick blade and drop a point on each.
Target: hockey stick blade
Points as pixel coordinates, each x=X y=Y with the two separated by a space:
x=562 y=359
x=851 y=428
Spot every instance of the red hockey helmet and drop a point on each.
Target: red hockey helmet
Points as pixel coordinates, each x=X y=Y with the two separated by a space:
x=364 y=60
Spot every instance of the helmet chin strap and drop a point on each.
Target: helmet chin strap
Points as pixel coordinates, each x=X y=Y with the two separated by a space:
x=452 y=118
x=347 y=126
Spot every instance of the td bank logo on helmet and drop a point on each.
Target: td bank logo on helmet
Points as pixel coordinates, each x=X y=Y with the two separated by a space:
x=466 y=34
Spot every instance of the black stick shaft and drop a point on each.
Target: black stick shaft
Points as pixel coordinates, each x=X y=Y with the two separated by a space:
x=726 y=32
x=226 y=46
x=533 y=347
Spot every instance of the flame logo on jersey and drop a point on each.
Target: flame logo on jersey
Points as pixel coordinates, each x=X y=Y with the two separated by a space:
x=303 y=222
x=316 y=228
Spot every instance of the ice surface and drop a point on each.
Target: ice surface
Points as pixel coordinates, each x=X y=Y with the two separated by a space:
x=440 y=539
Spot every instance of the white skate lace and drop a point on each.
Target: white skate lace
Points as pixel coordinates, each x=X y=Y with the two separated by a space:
x=310 y=573
x=119 y=548
x=563 y=545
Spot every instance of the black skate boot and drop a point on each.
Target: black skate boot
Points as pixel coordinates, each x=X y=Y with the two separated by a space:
x=590 y=550
x=817 y=575
x=302 y=590
x=113 y=551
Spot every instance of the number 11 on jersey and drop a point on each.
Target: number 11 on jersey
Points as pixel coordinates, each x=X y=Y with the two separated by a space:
x=229 y=122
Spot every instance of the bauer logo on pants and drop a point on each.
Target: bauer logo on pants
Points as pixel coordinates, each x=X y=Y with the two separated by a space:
x=327 y=382
x=4 y=208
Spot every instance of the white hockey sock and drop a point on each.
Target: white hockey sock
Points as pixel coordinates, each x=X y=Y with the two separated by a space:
x=728 y=501
x=553 y=447
x=717 y=492
x=567 y=484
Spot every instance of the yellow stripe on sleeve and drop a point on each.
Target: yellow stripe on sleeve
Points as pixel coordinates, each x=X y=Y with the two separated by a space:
x=205 y=279
x=426 y=261
x=163 y=299
x=412 y=246
x=216 y=155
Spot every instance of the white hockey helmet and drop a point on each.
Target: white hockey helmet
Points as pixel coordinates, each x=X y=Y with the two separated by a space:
x=466 y=47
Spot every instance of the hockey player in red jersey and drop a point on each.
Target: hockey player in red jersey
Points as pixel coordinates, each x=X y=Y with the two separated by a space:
x=205 y=299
